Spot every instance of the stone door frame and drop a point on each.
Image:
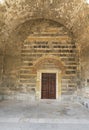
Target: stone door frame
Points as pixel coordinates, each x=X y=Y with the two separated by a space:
x=58 y=82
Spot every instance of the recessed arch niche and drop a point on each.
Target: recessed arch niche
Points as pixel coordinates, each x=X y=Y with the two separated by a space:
x=50 y=44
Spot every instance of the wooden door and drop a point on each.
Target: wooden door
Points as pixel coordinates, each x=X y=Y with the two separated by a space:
x=48 y=86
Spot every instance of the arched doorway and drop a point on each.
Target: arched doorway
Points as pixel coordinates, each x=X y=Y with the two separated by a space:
x=49 y=80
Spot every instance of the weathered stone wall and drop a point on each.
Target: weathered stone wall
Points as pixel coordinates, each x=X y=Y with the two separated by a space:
x=49 y=38
x=16 y=24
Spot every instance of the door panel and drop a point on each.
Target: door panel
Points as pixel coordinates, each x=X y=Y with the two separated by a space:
x=48 y=86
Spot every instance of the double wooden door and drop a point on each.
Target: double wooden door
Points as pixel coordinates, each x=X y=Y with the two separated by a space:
x=48 y=90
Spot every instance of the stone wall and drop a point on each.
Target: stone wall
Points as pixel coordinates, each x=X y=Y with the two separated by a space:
x=46 y=40
x=20 y=18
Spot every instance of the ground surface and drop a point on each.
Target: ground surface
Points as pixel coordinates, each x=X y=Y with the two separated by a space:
x=43 y=115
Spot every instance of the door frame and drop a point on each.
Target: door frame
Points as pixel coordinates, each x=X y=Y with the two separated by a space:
x=39 y=82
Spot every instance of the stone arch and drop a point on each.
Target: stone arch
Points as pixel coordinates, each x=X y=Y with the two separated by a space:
x=42 y=55
x=56 y=60
x=23 y=30
x=29 y=24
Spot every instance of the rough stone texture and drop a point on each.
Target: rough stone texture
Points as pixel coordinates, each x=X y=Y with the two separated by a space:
x=42 y=42
x=16 y=18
